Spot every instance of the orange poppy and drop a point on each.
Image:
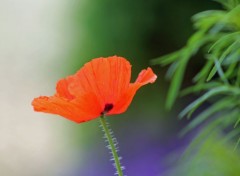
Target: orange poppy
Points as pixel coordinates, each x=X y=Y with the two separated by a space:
x=101 y=86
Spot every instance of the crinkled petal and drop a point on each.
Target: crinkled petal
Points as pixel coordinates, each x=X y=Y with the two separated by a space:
x=81 y=109
x=62 y=89
x=108 y=78
x=145 y=76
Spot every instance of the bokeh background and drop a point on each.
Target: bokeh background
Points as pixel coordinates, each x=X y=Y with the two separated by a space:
x=43 y=41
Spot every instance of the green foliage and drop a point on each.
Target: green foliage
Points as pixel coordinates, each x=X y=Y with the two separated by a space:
x=218 y=82
x=217 y=31
x=213 y=157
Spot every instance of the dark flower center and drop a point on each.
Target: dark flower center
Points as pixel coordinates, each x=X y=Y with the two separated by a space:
x=107 y=108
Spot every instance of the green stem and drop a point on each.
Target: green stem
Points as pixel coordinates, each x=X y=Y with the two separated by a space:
x=112 y=145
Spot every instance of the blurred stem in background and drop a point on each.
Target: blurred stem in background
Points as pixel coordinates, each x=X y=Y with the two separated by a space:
x=217 y=83
x=218 y=32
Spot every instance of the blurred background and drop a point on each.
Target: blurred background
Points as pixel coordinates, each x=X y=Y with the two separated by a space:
x=43 y=41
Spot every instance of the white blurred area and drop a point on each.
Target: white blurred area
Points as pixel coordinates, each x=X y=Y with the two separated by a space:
x=34 y=38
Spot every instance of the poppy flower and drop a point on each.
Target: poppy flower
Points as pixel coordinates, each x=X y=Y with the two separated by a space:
x=101 y=86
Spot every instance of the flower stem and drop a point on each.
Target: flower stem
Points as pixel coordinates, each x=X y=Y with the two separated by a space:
x=112 y=146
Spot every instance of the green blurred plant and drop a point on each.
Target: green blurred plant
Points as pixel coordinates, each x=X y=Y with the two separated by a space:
x=218 y=36
x=218 y=83
x=214 y=158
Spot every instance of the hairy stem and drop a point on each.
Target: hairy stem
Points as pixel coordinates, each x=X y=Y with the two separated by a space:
x=112 y=146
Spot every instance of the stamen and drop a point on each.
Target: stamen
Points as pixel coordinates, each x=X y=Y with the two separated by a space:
x=107 y=108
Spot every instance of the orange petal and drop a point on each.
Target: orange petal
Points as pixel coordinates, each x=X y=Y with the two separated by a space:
x=108 y=78
x=102 y=85
x=62 y=89
x=144 y=77
x=78 y=110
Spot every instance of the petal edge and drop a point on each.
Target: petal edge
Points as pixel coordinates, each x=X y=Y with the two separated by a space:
x=145 y=76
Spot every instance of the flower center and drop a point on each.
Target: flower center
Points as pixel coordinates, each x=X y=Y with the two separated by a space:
x=107 y=108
